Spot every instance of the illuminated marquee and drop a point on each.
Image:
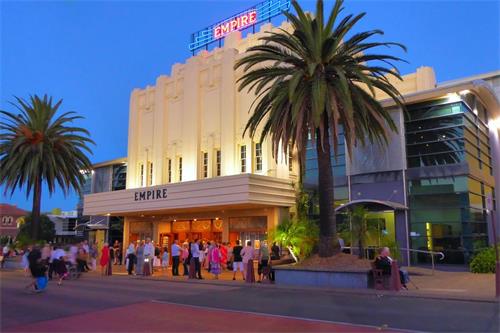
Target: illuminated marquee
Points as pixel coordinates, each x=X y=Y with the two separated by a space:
x=262 y=12
x=236 y=23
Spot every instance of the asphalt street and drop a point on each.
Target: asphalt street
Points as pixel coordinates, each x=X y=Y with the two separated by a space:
x=93 y=293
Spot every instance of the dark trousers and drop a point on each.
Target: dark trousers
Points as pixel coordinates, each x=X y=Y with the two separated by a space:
x=185 y=266
x=131 y=261
x=197 y=267
x=175 y=265
x=51 y=270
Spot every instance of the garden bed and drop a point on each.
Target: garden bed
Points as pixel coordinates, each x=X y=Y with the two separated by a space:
x=340 y=271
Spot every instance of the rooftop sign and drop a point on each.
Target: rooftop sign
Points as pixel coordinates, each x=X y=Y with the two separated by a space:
x=261 y=12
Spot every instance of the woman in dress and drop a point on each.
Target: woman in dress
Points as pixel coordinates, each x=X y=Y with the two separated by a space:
x=140 y=258
x=223 y=253
x=104 y=259
x=215 y=256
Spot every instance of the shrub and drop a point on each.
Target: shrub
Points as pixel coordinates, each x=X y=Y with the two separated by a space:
x=298 y=235
x=484 y=261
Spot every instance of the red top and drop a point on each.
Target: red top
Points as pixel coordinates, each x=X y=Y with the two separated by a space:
x=104 y=256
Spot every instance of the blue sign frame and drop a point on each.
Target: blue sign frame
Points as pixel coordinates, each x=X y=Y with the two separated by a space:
x=265 y=11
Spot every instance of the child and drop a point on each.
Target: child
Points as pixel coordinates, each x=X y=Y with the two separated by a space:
x=164 y=260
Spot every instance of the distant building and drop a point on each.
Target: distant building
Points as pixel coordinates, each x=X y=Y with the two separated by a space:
x=10 y=217
x=104 y=177
x=64 y=224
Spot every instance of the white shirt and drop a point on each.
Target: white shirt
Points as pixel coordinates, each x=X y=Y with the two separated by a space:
x=149 y=250
x=86 y=248
x=57 y=254
x=247 y=253
x=195 y=250
x=130 y=249
x=5 y=250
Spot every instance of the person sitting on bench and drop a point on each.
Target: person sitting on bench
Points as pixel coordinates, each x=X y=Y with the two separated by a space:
x=384 y=262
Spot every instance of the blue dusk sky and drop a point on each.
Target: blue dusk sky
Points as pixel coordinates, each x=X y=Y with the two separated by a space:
x=92 y=53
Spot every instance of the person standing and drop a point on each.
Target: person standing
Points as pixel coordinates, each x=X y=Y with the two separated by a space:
x=238 y=260
x=215 y=258
x=195 y=257
x=165 y=260
x=139 y=269
x=223 y=253
x=185 y=259
x=149 y=253
x=5 y=254
x=131 y=258
x=93 y=256
x=176 y=252
x=275 y=252
x=104 y=262
x=248 y=254
x=263 y=260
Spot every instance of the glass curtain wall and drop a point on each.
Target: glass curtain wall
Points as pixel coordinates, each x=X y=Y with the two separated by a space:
x=448 y=213
x=341 y=192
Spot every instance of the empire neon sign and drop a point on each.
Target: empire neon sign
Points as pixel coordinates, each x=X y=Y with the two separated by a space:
x=260 y=13
x=237 y=23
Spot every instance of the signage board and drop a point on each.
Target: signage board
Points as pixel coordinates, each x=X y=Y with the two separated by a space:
x=152 y=194
x=261 y=12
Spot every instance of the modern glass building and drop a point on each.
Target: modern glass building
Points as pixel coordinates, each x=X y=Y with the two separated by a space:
x=436 y=177
x=191 y=173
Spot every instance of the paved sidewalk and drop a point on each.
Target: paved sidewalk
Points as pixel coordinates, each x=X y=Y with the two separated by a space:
x=425 y=283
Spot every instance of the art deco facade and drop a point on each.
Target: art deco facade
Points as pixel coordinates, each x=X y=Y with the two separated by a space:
x=191 y=173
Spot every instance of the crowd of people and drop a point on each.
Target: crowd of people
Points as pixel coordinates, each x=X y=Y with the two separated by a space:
x=198 y=256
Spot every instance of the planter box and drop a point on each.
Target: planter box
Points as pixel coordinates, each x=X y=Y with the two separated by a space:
x=291 y=275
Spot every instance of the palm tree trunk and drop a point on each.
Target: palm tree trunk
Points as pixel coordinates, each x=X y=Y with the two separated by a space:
x=37 y=198
x=327 y=221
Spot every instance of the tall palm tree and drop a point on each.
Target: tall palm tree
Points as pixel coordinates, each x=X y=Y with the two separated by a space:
x=314 y=79
x=37 y=147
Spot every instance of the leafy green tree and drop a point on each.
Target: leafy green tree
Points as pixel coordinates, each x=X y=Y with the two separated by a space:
x=47 y=230
x=313 y=80
x=37 y=147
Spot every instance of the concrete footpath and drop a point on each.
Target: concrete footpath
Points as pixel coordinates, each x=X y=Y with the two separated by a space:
x=425 y=283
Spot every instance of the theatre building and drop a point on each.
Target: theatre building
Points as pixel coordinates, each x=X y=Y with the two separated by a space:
x=191 y=173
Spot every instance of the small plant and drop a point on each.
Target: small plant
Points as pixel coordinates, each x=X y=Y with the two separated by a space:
x=484 y=261
x=299 y=236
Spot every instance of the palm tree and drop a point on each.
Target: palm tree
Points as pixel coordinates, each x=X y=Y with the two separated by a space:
x=311 y=81
x=37 y=148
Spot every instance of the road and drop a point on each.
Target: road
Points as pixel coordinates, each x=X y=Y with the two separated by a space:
x=119 y=297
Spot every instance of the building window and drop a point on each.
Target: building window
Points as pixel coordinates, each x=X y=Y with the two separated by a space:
x=204 y=156
x=169 y=170
x=150 y=174
x=258 y=157
x=290 y=157
x=141 y=174
x=243 y=158
x=180 y=169
x=218 y=162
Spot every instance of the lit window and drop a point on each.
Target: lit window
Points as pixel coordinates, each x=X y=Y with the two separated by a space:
x=141 y=174
x=150 y=174
x=218 y=162
x=290 y=157
x=180 y=169
x=169 y=170
x=205 y=164
x=258 y=157
x=243 y=158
